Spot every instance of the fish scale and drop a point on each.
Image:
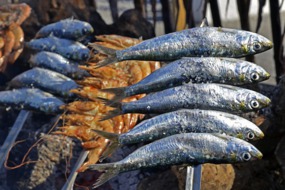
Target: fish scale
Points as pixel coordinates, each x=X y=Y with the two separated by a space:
x=194 y=42
x=188 y=148
x=218 y=97
x=194 y=70
x=183 y=121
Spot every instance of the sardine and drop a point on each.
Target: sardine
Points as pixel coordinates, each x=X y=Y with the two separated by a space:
x=184 y=121
x=187 y=148
x=67 y=48
x=195 y=70
x=31 y=99
x=58 y=63
x=46 y=80
x=208 y=96
x=69 y=28
x=194 y=42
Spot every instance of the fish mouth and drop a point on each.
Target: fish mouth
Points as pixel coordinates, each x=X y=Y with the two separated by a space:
x=260 y=135
x=267 y=75
x=268 y=44
x=259 y=155
x=267 y=101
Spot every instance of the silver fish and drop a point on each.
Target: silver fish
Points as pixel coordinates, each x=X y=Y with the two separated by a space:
x=209 y=96
x=194 y=70
x=184 y=121
x=69 y=28
x=187 y=148
x=67 y=48
x=31 y=99
x=194 y=42
x=46 y=80
x=58 y=63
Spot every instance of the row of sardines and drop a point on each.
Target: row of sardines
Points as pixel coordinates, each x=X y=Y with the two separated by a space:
x=194 y=96
x=55 y=66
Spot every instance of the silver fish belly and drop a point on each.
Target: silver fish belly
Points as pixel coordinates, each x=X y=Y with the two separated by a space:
x=218 y=97
x=194 y=42
x=191 y=121
x=188 y=148
x=68 y=28
x=67 y=48
x=194 y=70
x=199 y=41
x=46 y=80
x=31 y=99
x=58 y=63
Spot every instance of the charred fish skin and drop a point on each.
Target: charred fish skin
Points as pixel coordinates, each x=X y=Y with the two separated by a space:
x=67 y=48
x=46 y=80
x=31 y=99
x=191 y=121
x=58 y=63
x=196 y=42
x=188 y=148
x=68 y=28
x=183 y=121
x=195 y=70
x=217 y=97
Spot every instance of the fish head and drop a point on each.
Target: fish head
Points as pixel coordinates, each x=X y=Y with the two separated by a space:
x=246 y=151
x=253 y=43
x=256 y=101
x=252 y=73
x=238 y=150
x=249 y=100
x=248 y=130
x=87 y=29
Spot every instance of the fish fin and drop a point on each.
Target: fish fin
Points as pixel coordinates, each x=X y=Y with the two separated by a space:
x=111 y=53
x=111 y=136
x=110 y=149
x=113 y=113
x=118 y=92
x=110 y=103
x=204 y=23
x=111 y=170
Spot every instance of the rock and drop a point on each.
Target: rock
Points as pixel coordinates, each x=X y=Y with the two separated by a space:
x=218 y=177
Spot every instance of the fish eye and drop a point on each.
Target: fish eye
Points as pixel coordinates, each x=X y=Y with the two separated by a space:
x=246 y=156
x=256 y=46
x=250 y=135
x=254 y=76
x=84 y=31
x=254 y=104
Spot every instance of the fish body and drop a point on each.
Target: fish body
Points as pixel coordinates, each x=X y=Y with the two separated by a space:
x=67 y=48
x=46 y=80
x=184 y=121
x=68 y=28
x=209 y=96
x=187 y=148
x=194 y=42
x=31 y=99
x=58 y=63
x=195 y=70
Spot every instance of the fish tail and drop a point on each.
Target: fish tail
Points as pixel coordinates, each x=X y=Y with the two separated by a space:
x=112 y=147
x=110 y=171
x=115 y=112
x=118 y=92
x=111 y=53
x=111 y=103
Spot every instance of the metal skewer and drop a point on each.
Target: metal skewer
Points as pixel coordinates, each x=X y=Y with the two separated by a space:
x=193 y=177
x=71 y=179
x=14 y=132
